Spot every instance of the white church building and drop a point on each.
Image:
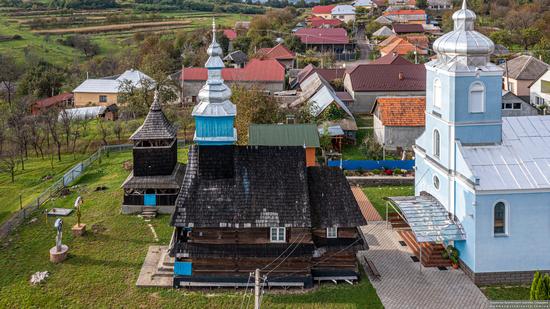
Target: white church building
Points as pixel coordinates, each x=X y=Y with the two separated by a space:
x=491 y=174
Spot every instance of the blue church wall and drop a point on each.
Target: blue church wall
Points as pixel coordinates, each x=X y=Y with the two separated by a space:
x=214 y=126
x=526 y=246
x=465 y=212
x=461 y=165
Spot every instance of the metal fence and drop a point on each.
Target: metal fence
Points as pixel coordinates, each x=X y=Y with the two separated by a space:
x=69 y=177
x=369 y=165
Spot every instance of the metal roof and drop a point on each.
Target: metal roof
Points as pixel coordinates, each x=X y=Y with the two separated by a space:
x=428 y=219
x=111 y=85
x=331 y=131
x=82 y=113
x=343 y=9
x=383 y=31
x=283 y=135
x=521 y=162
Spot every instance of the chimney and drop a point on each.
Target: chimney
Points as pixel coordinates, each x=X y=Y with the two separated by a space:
x=401 y=76
x=394 y=54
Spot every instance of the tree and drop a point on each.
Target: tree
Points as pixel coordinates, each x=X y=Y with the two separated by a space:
x=542 y=49
x=242 y=43
x=254 y=106
x=528 y=37
x=50 y=118
x=502 y=36
x=82 y=43
x=41 y=80
x=422 y=4
x=371 y=148
x=8 y=163
x=17 y=122
x=134 y=100
x=118 y=129
x=103 y=131
x=534 y=284
x=66 y=120
x=9 y=74
x=37 y=134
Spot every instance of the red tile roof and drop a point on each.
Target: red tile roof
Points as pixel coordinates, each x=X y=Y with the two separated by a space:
x=322 y=9
x=405 y=12
x=384 y=77
x=391 y=59
x=320 y=22
x=401 y=111
x=402 y=46
x=279 y=52
x=323 y=35
x=255 y=70
x=230 y=34
x=47 y=102
x=328 y=74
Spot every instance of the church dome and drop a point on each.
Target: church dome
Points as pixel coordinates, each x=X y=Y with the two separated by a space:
x=464 y=45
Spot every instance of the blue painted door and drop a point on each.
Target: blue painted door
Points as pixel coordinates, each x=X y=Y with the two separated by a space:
x=150 y=200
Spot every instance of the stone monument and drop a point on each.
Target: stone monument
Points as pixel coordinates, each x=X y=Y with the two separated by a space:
x=58 y=253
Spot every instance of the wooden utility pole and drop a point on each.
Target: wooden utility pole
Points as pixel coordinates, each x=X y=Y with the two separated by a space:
x=257 y=289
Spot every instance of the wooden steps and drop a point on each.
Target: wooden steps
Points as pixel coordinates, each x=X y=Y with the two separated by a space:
x=431 y=252
x=149 y=212
x=397 y=222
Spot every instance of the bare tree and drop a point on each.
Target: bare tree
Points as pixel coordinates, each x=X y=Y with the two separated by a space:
x=9 y=74
x=16 y=120
x=103 y=131
x=118 y=129
x=8 y=163
x=3 y=134
x=53 y=129
x=66 y=120
x=37 y=135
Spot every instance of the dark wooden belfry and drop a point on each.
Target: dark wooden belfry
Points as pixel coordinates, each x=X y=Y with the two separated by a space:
x=156 y=175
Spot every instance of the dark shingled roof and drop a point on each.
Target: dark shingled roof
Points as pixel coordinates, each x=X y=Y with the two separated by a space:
x=156 y=125
x=172 y=181
x=408 y=28
x=237 y=57
x=262 y=186
x=524 y=67
x=331 y=199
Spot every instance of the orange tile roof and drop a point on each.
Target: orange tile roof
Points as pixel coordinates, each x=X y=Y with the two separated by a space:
x=402 y=46
x=322 y=9
x=401 y=111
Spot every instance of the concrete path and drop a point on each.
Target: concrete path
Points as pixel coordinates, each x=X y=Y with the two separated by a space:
x=403 y=285
x=368 y=211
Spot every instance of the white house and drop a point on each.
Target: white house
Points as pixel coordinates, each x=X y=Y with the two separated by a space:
x=539 y=90
x=368 y=4
x=482 y=180
x=343 y=12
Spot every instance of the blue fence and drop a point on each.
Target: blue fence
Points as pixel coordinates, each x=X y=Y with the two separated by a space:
x=368 y=165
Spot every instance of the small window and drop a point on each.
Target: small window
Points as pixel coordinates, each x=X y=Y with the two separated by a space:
x=437 y=93
x=436 y=144
x=278 y=234
x=436 y=182
x=517 y=106
x=476 y=100
x=499 y=224
x=102 y=98
x=332 y=232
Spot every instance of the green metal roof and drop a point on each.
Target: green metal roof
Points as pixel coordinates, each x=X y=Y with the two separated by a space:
x=283 y=135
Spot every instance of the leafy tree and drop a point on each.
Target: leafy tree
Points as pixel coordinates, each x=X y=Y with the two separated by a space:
x=82 y=43
x=333 y=113
x=422 y=4
x=224 y=43
x=542 y=49
x=528 y=37
x=254 y=106
x=10 y=72
x=41 y=80
x=541 y=291
x=371 y=148
x=242 y=43
x=534 y=284
x=502 y=36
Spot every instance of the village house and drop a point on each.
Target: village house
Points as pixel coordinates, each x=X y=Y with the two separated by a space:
x=539 y=90
x=406 y=16
x=231 y=219
x=236 y=59
x=383 y=32
x=398 y=121
x=63 y=101
x=520 y=72
x=280 y=53
x=323 y=11
x=403 y=45
x=319 y=22
x=304 y=135
x=268 y=75
x=440 y=4
x=329 y=75
x=104 y=91
x=514 y=106
x=392 y=58
x=366 y=82
x=343 y=12
x=156 y=176
x=481 y=180
x=328 y=40
x=367 y=4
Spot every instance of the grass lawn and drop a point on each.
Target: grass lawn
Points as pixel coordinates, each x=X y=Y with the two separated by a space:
x=520 y=292
x=103 y=266
x=376 y=196
x=32 y=181
x=354 y=152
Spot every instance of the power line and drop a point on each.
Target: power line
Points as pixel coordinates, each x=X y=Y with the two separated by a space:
x=282 y=252
x=246 y=291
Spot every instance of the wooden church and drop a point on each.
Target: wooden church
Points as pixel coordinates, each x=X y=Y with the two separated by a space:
x=246 y=207
x=156 y=178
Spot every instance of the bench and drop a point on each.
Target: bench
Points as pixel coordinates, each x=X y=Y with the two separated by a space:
x=370 y=265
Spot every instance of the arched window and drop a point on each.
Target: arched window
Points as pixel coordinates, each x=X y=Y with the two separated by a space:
x=476 y=99
x=436 y=143
x=499 y=219
x=437 y=93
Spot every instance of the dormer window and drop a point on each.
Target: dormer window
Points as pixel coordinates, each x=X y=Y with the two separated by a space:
x=437 y=93
x=476 y=99
x=332 y=232
x=278 y=234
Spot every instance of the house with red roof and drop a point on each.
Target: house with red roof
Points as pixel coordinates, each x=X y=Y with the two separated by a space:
x=398 y=121
x=403 y=45
x=280 y=53
x=328 y=74
x=320 y=22
x=406 y=16
x=392 y=58
x=62 y=101
x=328 y=40
x=268 y=75
x=324 y=11
x=366 y=82
x=230 y=34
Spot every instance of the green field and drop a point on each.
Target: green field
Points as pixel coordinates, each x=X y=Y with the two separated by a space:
x=46 y=46
x=103 y=266
x=376 y=196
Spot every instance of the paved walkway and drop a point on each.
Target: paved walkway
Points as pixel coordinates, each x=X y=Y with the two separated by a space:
x=368 y=211
x=403 y=285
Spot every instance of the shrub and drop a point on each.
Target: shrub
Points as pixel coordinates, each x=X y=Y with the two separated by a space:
x=376 y=171
x=536 y=279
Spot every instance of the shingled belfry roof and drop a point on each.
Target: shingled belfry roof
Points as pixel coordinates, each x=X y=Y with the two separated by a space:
x=261 y=186
x=156 y=125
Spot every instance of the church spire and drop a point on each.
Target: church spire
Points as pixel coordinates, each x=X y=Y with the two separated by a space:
x=215 y=113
